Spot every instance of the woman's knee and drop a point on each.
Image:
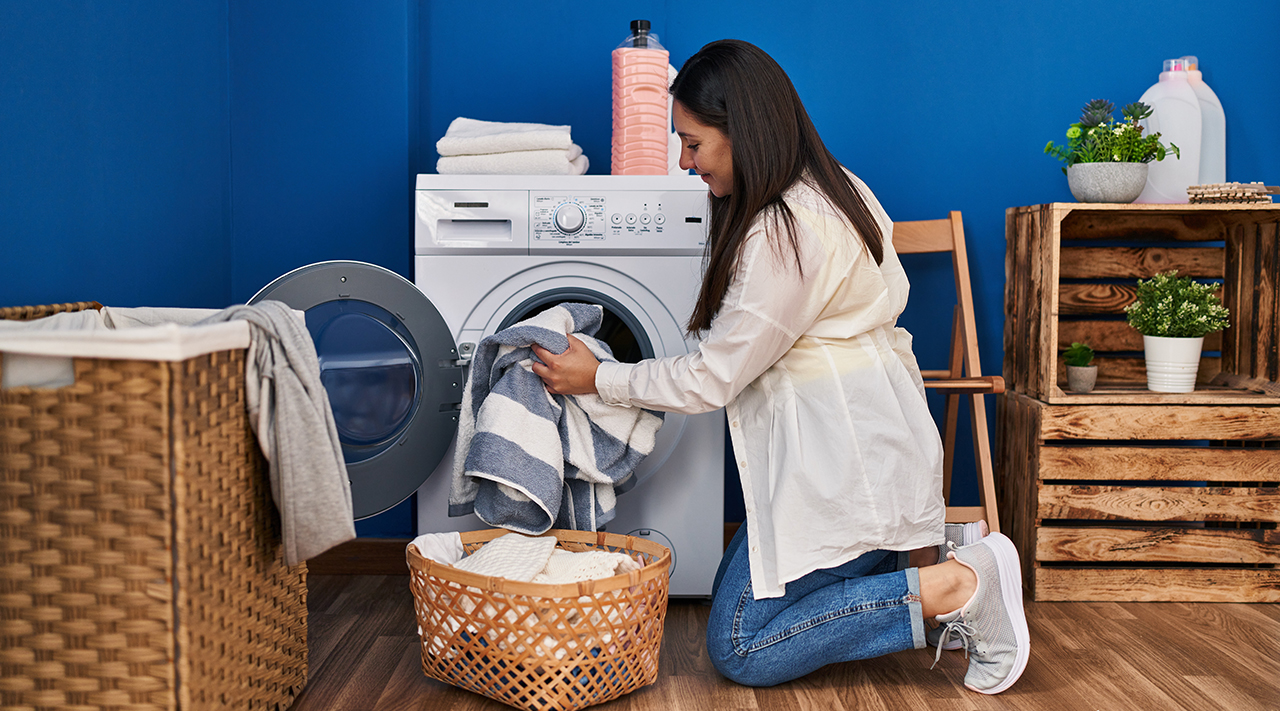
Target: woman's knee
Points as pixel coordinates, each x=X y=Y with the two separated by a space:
x=735 y=663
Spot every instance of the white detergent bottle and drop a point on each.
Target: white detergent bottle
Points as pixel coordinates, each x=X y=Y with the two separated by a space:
x=1213 y=127
x=1176 y=117
x=641 y=120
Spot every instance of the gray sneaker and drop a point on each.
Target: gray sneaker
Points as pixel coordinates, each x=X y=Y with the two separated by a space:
x=958 y=535
x=991 y=624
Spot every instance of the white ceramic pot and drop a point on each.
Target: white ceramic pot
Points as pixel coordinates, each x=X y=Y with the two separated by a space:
x=1107 y=182
x=1081 y=378
x=1172 y=363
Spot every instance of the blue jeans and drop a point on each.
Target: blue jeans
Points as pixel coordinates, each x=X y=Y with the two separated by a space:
x=865 y=608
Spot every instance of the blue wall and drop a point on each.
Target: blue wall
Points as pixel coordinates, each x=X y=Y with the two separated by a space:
x=159 y=153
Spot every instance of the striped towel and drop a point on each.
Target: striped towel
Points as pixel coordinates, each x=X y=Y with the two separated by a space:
x=527 y=460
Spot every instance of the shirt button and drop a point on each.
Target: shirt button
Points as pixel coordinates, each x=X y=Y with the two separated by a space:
x=735 y=423
x=743 y=464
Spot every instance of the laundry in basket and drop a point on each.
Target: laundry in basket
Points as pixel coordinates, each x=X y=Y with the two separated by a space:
x=543 y=646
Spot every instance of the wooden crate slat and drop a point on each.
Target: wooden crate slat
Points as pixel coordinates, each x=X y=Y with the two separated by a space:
x=1133 y=369
x=1045 y=270
x=1140 y=262
x=1164 y=422
x=1157 y=585
x=1171 y=545
x=1264 y=331
x=1214 y=503
x=1164 y=463
x=1110 y=336
x=1087 y=299
x=1017 y=453
x=1094 y=299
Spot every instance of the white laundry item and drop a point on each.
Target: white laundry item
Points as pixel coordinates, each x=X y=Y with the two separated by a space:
x=571 y=567
x=568 y=161
x=513 y=556
x=444 y=548
x=466 y=137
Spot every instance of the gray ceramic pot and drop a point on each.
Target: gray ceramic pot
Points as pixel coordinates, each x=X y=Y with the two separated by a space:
x=1107 y=182
x=1081 y=378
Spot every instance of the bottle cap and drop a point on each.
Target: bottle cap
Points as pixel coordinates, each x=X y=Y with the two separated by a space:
x=1191 y=62
x=1175 y=65
x=640 y=26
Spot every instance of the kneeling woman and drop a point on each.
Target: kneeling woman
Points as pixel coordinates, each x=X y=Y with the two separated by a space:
x=839 y=458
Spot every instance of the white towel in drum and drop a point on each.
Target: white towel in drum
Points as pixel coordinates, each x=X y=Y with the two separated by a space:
x=527 y=460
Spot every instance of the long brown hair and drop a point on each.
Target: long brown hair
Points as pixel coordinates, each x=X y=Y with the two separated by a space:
x=737 y=88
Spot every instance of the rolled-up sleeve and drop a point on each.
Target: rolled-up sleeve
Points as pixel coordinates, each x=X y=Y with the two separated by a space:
x=768 y=306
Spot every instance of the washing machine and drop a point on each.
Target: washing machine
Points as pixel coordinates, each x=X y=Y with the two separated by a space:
x=494 y=250
x=491 y=251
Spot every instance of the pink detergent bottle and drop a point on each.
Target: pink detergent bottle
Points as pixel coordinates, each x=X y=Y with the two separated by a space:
x=641 y=124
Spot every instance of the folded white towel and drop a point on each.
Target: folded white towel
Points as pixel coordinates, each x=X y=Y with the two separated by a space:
x=513 y=556
x=466 y=137
x=553 y=162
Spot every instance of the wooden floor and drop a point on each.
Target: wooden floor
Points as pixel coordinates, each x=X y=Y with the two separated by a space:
x=364 y=655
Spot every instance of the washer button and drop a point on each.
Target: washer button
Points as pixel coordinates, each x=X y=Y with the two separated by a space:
x=631 y=218
x=645 y=218
x=659 y=219
x=616 y=218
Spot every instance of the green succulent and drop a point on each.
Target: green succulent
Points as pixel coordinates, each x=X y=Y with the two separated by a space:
x=1096 y=113
x=1079 y=354
x=1098 y=138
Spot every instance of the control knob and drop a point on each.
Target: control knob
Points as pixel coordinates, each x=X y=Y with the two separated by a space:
x=569 y=218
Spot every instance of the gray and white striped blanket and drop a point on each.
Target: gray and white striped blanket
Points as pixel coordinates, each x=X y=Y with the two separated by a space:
x=528 y=461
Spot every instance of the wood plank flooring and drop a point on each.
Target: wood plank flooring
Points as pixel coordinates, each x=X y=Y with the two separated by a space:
x=364 y=655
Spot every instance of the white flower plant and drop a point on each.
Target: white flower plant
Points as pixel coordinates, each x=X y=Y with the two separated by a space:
x=1176 y=307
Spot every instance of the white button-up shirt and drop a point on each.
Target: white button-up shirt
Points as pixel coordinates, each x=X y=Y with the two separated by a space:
x=835 y=446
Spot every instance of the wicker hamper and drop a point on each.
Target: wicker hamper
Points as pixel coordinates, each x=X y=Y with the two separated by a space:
x=140 y=565
x=536 y=646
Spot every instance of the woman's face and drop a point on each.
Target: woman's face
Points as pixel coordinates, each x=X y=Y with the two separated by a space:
x=704 y=149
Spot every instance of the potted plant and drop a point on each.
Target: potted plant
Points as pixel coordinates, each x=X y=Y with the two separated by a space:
x=1081 y=375
x=1107 y=160
x=1173 y=314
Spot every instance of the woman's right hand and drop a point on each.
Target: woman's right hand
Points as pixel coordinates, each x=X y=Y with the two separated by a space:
x=570 y=373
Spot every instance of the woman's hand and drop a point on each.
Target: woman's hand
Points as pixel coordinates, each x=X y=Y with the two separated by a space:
x=570 y=373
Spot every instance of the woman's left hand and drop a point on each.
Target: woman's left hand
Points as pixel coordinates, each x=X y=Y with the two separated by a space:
x=570 y=373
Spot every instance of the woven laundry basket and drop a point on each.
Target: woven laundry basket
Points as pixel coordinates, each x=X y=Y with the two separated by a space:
x=537 y=646
x=140 y=565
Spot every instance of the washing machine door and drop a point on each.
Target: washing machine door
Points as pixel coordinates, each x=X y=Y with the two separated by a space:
x=389 y=365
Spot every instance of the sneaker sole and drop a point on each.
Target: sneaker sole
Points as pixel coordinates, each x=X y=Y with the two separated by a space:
x=1006 y=556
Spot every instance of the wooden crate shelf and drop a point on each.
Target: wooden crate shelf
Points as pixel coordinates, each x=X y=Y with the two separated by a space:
x=1123 y=494
x=1142 y=502
x=1071 y=268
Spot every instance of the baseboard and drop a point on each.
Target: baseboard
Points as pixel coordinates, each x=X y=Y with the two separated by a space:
x=362 y=556
x=385 y=556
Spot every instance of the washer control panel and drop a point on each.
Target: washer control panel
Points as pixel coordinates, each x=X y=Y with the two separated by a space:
x=617 y=220
x=560 y=214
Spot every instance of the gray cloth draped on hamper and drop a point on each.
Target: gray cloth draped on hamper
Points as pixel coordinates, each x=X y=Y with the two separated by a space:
x=527 y=460
x=290 y=414
x=288 y=410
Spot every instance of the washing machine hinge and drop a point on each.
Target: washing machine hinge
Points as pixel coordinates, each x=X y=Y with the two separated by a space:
x=465 y=352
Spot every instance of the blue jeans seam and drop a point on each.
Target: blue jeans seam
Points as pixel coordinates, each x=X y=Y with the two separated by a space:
x=743 y=650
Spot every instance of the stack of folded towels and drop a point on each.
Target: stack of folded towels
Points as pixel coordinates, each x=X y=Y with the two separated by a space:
x=472 y=147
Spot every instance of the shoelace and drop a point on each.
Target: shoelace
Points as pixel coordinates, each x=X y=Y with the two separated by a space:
x=962 y=630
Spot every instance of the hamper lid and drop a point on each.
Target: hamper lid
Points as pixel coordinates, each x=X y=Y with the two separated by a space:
x=166 y=342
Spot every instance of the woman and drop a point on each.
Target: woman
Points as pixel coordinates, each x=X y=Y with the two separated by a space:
x=839 y=458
